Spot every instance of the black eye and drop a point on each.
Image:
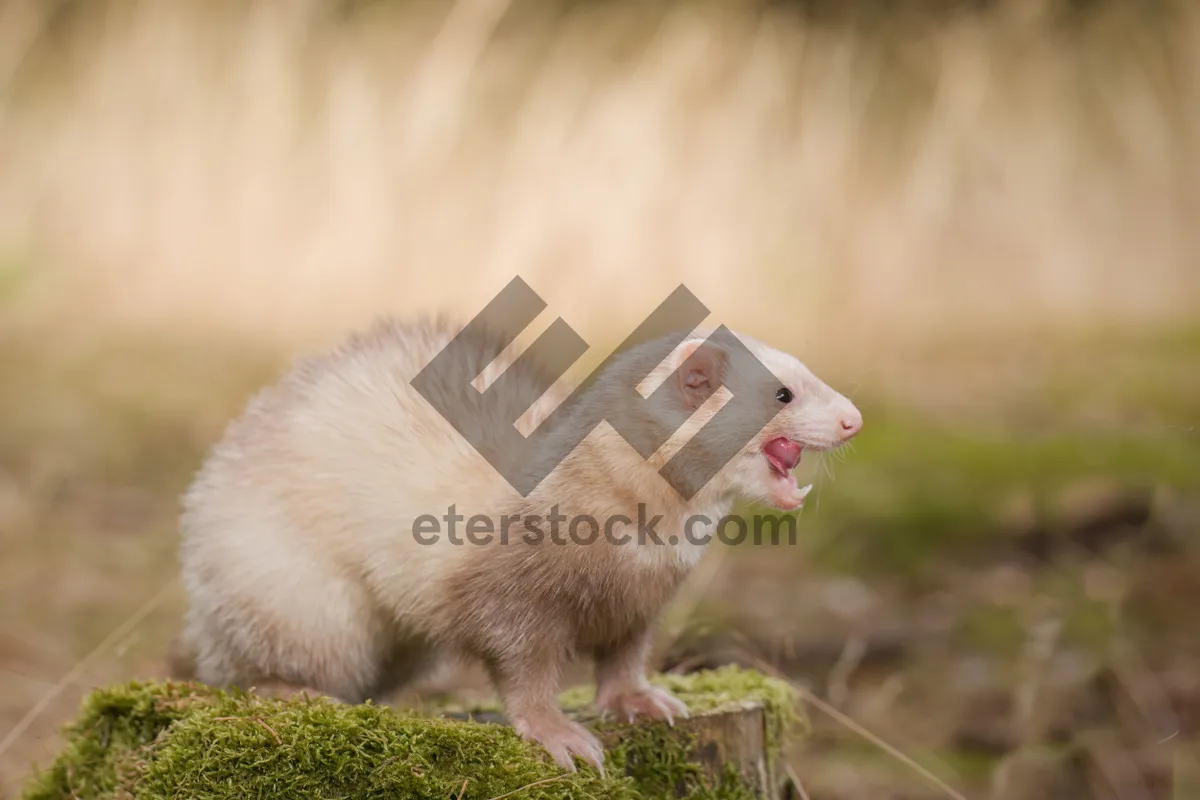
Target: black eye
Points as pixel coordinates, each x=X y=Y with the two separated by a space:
x=784 y=395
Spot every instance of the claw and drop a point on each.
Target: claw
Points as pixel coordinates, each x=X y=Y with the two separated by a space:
x=646 y=701
x=563 y=739
x=663 y=707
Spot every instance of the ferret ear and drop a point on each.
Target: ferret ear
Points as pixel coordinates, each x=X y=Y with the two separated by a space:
x=700 y=372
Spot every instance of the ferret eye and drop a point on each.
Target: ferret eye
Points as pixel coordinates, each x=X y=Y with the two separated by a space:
x=784 y=395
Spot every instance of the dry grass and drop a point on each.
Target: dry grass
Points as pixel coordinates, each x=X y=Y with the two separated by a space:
x=281 y=171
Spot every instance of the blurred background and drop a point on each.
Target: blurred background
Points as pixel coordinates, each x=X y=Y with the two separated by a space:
x=977 y=218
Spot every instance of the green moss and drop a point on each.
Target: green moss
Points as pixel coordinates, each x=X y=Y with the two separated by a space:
x=725 y=689
x=115 y=729
x=658 y=760
x=151 y=741
x=319 y=749
x=662 y=759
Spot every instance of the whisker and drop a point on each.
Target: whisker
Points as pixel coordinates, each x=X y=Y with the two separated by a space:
x=825 y=466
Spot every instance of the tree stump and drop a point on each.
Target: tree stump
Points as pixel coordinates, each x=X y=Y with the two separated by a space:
x=725 y=746
x=167 y=740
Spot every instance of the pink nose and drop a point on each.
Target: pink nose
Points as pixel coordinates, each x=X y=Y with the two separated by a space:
x=851 y=425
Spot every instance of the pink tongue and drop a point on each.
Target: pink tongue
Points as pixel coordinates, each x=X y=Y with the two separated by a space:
x=783 y=452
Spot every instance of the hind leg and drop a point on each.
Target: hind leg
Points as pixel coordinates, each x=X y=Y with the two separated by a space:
x=320 y=632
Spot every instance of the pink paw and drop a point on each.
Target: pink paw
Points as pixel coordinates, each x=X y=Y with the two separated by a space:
x=562 y=739
x=646 y=701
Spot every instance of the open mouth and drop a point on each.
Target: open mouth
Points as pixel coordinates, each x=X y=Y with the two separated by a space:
x=783 y=455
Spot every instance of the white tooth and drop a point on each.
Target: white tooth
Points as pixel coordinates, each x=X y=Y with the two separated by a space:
x=805 y=490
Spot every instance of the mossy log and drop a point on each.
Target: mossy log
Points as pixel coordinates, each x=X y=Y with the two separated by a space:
x=152 y=741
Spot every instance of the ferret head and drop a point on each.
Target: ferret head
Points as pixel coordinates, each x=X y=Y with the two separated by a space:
x=762 y=384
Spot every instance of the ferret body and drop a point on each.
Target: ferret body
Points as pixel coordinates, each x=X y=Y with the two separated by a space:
x=305 y=564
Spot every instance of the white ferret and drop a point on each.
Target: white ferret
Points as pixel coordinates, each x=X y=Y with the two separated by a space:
x=308 y=557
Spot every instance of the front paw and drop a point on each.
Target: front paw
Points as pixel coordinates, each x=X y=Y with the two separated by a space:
x=644 y=701
x=562 y=739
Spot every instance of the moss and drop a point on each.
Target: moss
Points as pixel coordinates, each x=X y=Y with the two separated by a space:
x=662 y=759
x=318 y=749
x=712 y=691
x=109 y=740
x=151 y=741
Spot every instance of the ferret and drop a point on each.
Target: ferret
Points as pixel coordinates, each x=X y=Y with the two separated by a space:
x=308 y=563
